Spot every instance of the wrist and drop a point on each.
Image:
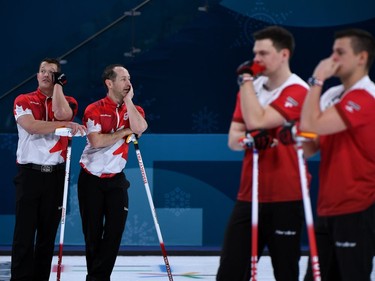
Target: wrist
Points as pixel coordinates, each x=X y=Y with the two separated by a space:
x=313 y=81
x=241 y=79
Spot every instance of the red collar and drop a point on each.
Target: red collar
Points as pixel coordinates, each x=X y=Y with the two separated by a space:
x=41 y=95
x=107 y=100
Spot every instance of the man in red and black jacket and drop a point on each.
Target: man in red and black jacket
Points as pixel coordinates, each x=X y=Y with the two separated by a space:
x=39 y=183
x=269 y=95
x=102 y=184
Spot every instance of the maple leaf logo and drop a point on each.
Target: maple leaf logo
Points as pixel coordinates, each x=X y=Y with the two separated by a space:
x=92 y=127
x=19 y=111
x=123 y=149
x=61 y=145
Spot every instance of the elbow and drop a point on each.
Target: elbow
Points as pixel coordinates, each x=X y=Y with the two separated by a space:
x=63 y=115
x=32 y=131
x=233 y=145
x=144 y=127
x=94 y=141
x=138 y=130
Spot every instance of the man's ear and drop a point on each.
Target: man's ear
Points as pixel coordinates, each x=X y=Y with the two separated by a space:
x=108 y=83
x=363 y=58
x=286 y=53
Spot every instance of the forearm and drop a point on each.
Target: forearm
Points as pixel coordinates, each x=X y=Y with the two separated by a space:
x=236 y=132
x=98 y=140
x=43 y=127
x=311 y=110
x=60 y=105
x=137 y=123
x=252 y=111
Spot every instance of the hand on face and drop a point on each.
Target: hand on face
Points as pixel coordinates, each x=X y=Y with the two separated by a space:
x=326 y=69
x=130 y=93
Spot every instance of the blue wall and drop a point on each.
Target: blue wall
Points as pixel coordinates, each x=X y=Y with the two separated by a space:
x=193 y=178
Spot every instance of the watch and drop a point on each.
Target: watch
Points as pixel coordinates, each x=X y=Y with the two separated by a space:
x=312 y=81
x=242 y=79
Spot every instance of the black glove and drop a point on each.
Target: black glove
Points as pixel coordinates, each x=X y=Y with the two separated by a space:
x=59 y=78
x=250 y=67
x=287 y=134
x=261 y=139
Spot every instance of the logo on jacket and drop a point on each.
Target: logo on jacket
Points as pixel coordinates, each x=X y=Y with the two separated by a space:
x=126 y=116
x=290 y=102
x=352 y=106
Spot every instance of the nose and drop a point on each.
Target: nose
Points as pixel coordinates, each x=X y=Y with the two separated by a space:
x=256 y=58
x=335 y=56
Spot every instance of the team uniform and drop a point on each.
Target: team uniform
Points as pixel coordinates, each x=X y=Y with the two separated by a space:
x=39 y=187
x=102 y=188
x=346 y=200
x=280 y=198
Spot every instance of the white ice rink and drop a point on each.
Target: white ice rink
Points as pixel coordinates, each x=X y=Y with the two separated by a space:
x=136 y=268
x=132 y=268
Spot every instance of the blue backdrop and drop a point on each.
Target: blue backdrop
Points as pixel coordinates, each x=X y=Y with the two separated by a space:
x=193 y=178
